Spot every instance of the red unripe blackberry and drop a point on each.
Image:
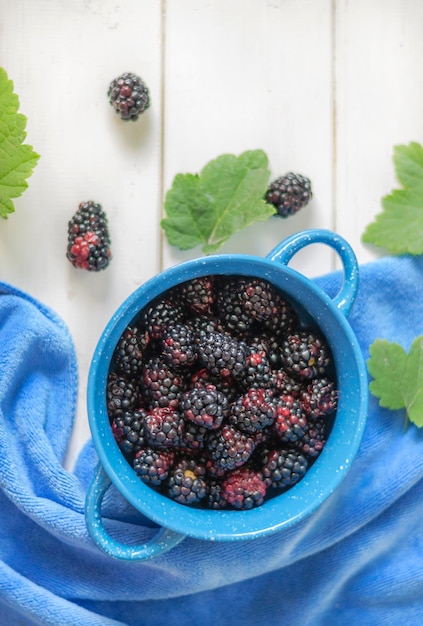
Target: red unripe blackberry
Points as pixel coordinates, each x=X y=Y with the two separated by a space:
x=129 y=96
x=289 y=193
x=88 y=238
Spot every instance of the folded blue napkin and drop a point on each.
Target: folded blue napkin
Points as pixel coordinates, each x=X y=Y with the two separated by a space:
x=358 y=559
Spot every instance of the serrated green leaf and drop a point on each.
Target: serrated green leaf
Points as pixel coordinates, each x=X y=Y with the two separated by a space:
x=17 y=160
x=399 y=228
x=398 y=377
x=207 y=209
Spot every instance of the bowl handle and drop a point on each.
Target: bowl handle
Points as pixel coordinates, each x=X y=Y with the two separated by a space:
x=286 y=249
x=164 y=540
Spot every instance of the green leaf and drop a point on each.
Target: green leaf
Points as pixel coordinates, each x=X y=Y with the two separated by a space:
x=208 y=208
x=398 y=377
x=17 y=160
x=399 y=228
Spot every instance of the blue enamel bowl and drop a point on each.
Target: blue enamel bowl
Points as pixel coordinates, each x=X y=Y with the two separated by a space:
x=176 y=521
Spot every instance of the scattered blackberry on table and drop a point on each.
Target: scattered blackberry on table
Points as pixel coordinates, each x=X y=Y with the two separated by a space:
x=178 y=348
x=244 y=489
x=128 y=430
x=205 y=406
x=253 y=411
x=320 y=397
x=153 y=465
x=305 y=355
x=283 y=468
x=130 y=351
x=222 y=355
x=121 y=395
x=229 y=448
x=289 y=193
x=129 y=96
x=160 y=384
x=163 y=428
x=88 y=238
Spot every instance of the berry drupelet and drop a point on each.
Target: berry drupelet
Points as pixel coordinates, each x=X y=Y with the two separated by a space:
x=88 y=238
x=289 y=193
x=129 y=96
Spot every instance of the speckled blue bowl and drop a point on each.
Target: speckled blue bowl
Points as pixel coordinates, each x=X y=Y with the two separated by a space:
x=177 y=521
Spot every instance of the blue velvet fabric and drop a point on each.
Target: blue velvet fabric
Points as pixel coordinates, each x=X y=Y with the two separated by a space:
x=358 y=559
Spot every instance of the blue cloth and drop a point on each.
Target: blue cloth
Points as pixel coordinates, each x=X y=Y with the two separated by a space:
x=357 y=560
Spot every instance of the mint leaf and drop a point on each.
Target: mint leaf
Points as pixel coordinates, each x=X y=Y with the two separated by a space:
x=398 y=377
x=399 y=228
x=17 y=159
x=208 y=208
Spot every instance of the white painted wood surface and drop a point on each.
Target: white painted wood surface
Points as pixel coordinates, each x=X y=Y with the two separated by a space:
x=325 y=87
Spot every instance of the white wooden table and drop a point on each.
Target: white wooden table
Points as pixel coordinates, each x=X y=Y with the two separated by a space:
x=325 y=87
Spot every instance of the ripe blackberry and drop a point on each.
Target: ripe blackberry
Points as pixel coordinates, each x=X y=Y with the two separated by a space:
x=290 y=421
x=319 y=398
x=178 y=348
x=88 y=238
x=229 y=448
x=229 y=306
x=205 y=406
x=258 y=372
x=289 y=193
x=153 y=465
x=283 y=468
x=198 y=295
x=314 y=439
x=269 y=342
x=305 y=355
x=159 y=315
x=129 y=96
x=187 y=483
x=283 y=384
x=194 y=436
x=163 y=428
x=160 y=384
x=222 y=355
x=264 y=303
x=244 y=489
x=130 y=350
x=214 y=498
x=128 y=430
x=121 y=395
x=253 y=411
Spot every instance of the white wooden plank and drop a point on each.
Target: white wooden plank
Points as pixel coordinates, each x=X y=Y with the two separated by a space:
x=379 y=48
x=61 y=57
x=243 y=75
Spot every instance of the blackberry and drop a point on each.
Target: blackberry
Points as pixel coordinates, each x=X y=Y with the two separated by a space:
x=88 y=238
x=214 y=498
x=194 y=436
x=178 y=346
x=187 y=483
x=229 y=448
x=204 y=324
x=269 y=342
x=319 y=398
x=153 y=465
x=160 y=384
x=262 y=302
x=313 y=441
x=130 y=350
x=128 y=430
x=229 y=306
x=283 y=384
x=305 y=355
x=283 y=468
x=258 y=372
x=226 y=385
x=290 y=421
x=205 y=406
x=163 y=428
x=289 y=193
x=222 y=355
x=198 y=295
x=253 y=411
x=159 y=315
x=129 y=96
x=244 y=489
x=121 y=395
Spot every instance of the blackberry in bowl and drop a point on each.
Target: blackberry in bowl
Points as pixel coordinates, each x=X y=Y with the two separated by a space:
x=248 y=426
